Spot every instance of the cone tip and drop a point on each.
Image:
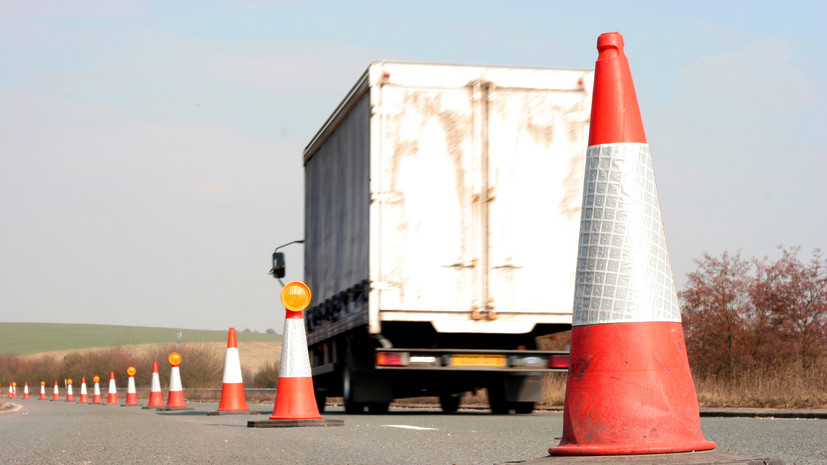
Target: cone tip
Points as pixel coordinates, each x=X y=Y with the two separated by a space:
x=610 y=39
x=155 y=366
x=231 y=340
x=111 y=375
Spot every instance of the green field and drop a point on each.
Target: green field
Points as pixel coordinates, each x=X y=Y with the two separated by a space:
x=32 y=338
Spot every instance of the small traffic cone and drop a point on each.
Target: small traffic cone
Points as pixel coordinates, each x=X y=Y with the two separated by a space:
x=112 y=398
x=629 y=389
x=295 y=398
x=69 y=396
x=131 y=393
x=56 y=395
x=96 y=391
x=156 y=398
x=175 y=398
x=25 y=390
x=1 y=390
x=84 y=396
x=232 y=389
x=13 y=390
x=42 y=390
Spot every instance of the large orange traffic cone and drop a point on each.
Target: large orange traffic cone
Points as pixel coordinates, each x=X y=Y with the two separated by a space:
x=156 y=398
x=70 y=397
x=112 y=398
x=96 y=393
x=131 y=393
x=629 y=388
x=25 y=390
x=232 y=389
x=175 y=397
x=56 y=394
x=42 y=391
x=13 y=390
x=295 y=398
x=84 y=396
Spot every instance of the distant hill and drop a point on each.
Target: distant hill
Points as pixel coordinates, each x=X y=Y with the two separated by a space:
x=33 y=338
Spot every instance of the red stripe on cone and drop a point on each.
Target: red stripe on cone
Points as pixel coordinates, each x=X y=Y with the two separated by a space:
x=630 y=398
x=295 y=399
x=232 y=398
x=176 y=399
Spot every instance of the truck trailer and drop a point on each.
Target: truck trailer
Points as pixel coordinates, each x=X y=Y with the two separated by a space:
x=442 y=213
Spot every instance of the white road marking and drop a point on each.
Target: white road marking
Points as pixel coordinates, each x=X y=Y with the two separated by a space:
x=421 y=428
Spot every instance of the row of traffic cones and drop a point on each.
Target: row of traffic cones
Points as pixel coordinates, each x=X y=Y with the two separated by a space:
x=295 y=403
x=176 y=399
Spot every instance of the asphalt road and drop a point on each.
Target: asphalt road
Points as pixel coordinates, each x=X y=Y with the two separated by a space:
x=46 y=432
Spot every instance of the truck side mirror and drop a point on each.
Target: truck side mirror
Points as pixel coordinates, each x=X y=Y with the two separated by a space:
x=278 y=265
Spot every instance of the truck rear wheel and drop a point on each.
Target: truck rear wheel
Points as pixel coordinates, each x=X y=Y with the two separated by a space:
x=351 y=406
x=496 y=400
x=449 y=403
x=523 y=407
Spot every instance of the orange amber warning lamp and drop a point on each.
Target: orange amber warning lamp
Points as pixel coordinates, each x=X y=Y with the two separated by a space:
x=130 y=371
x=175 y=359
x=69 y=381
x=96 y=379
x=295 y=296
x=43 y=383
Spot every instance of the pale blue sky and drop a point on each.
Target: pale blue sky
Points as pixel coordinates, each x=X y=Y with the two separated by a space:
x=150 y=152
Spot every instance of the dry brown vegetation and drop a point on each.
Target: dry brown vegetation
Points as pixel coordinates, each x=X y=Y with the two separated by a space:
x=202 y=364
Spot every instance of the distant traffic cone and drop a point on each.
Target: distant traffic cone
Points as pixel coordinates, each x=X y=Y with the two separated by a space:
x=156 y=398
x=112 y=398
x=96 y=392
x=56 y=395
x=69 y=396
x=42 y=390
x=295 y=400
x=84 y=396
x=131 y=393
x=25 y=390
x=1 y=390
x=232 y=389
x=13 y=390
x=175 y=397
x=629 y=388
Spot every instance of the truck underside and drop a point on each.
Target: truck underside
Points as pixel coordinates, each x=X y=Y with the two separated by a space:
x=410 y=359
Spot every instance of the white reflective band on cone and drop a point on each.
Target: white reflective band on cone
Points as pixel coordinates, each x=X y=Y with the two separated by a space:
x=112 y=388
x=232 y=366
x=156 y=383
x=130 y=387
x=175 y=379
x=295 y=361
x=624 y=273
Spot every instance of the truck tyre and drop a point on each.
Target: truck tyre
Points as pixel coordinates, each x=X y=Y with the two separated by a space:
x=449 y=403
x=378 y=408
x=351 y=406
x=496 y=400
x=523 y=407
x=321 y=400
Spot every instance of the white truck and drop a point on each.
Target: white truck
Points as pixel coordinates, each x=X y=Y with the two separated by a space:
x=442 y=211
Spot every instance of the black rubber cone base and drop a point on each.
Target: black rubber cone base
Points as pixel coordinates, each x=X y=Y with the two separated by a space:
x=232 y=412
x=294 y=423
